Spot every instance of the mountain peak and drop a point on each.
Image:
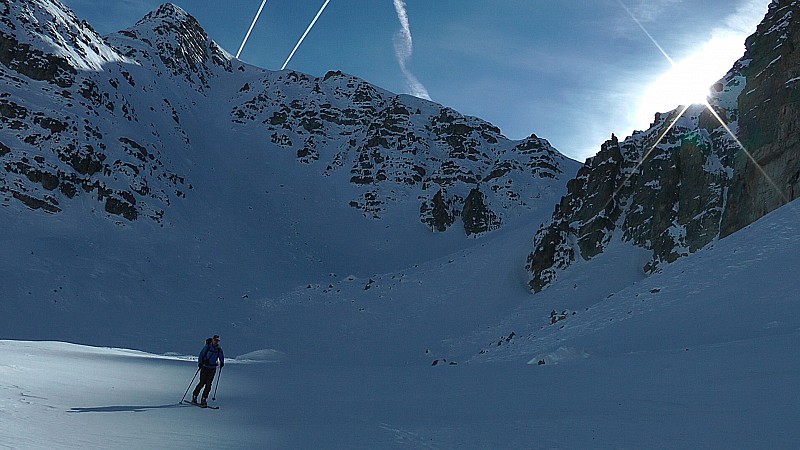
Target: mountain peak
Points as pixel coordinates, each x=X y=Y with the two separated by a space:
x=183 y=46
x=170 y=21
x=170 y=13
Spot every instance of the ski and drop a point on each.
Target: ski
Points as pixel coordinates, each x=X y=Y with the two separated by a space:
x=199 y=405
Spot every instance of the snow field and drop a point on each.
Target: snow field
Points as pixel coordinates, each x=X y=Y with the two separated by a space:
x=733 y=395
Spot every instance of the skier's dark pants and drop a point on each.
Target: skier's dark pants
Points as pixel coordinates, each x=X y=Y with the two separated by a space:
x=206 y=378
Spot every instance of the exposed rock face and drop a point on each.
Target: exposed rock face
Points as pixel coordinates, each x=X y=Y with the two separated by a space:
x=686 y=181
x=439 y=215
x=393 y=148
x=477 y=217
x=769 y=123
x=34 y=63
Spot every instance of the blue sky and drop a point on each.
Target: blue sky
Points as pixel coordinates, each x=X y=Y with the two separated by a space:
x=571 y=71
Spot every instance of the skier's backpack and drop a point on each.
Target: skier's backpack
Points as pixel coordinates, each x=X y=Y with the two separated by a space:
x=204 y=356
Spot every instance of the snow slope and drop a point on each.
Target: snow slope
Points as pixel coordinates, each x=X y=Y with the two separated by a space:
x=698 y=356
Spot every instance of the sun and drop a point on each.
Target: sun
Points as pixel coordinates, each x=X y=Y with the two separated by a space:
x=689 y=80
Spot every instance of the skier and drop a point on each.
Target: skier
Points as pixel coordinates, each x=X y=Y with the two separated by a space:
x=207 y=362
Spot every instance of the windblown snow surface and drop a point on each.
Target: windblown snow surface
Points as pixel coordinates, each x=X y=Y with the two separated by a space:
x=701 y=355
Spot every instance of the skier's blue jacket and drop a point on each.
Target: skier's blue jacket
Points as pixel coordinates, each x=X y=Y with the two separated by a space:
x=209 y=356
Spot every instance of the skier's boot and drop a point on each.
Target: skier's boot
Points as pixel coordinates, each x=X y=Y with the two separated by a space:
x=194 y=399
x=203 y=403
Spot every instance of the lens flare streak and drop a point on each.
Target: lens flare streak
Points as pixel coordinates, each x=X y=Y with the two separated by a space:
x=769 y=179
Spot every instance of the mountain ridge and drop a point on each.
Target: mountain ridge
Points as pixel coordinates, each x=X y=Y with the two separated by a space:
x=462 y=157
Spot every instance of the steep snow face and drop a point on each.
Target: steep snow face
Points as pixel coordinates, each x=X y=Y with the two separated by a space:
x=728 y=291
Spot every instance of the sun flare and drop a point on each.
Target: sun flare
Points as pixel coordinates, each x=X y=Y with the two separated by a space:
x=689 y=80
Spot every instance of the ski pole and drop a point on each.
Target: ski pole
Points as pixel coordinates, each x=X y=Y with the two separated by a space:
x=190 y=385
x=214 y=397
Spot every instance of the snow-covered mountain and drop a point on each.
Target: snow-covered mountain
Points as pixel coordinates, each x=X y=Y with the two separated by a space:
x=698 y=174
x=363 y=256
x=151 y=169
x=122 y=118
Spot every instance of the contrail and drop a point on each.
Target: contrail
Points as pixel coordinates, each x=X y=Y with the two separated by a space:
x=264 y=2
x=403 y=48
x=306 y=33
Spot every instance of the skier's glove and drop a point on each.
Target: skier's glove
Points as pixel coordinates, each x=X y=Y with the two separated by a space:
x=221 y=365
x=200 y=365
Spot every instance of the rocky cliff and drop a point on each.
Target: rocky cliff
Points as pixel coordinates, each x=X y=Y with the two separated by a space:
x=699 y=173
x=769 y=120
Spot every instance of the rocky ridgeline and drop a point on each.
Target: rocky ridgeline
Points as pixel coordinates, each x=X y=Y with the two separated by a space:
x=95 y=116
x=394 y=147
x=686 y=181
x=71 y=122
x=114 y=120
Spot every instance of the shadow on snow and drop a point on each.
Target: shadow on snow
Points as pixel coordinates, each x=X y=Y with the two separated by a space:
x=124 y=408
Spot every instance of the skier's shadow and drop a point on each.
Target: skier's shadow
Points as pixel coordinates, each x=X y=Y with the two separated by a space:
x=123 y=408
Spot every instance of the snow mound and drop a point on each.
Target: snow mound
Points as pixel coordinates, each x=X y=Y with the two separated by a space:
x=563 y=354
x=264 y=355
